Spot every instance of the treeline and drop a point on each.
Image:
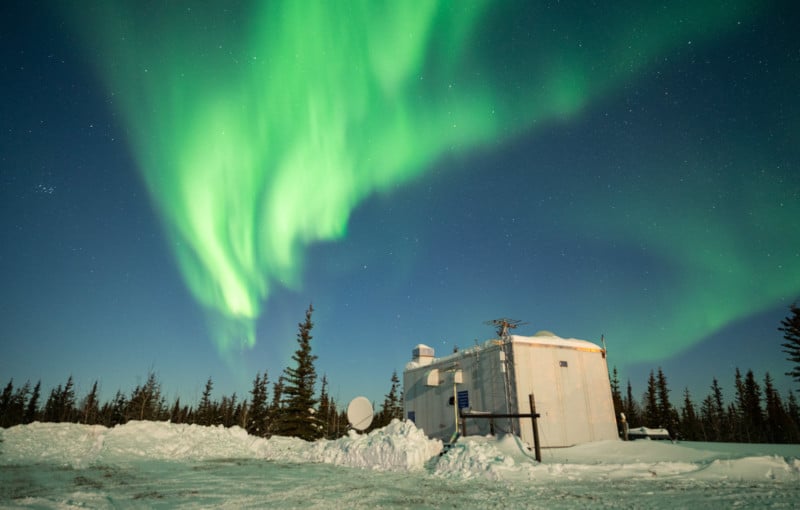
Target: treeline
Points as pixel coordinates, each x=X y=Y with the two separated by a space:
x=290 y=406
x=757 y=414
x=259 y=413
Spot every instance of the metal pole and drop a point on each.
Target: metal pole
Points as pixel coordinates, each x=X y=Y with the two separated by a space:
x=455 y=406
x=537 y=449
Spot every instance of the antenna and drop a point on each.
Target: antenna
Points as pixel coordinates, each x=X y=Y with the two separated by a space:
x=605 y=349
x=359 y=413
x=504 y=324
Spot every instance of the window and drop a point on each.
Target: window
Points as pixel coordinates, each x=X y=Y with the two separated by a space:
x=562 y=364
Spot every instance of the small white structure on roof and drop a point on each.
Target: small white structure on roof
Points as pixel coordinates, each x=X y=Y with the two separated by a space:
x=567 y=377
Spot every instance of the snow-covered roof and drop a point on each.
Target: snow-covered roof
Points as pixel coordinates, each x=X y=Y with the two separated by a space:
x=548 y=338
x=541 y=338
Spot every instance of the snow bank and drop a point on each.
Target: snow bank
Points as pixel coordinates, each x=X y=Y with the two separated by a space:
x=508 y=459
x=59 y=443
x=400 y=447
x=164 y=465
x=81 y=445
x=764 y=468
x=484 y=457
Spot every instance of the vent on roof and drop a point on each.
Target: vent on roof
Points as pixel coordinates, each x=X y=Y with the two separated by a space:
x=422 y=354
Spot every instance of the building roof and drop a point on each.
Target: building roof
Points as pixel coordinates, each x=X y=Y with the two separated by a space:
x=542 y=338
x=548 y=338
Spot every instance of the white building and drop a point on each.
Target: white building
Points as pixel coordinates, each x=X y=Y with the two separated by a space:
x=568 y=379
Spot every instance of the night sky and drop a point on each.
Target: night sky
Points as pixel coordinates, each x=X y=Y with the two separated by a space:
x=179 y=182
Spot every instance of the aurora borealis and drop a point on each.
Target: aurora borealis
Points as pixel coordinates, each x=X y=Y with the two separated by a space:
x=254 y=145
x=413 y=168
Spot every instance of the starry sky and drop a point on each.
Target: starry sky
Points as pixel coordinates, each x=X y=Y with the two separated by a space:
x=178 y=182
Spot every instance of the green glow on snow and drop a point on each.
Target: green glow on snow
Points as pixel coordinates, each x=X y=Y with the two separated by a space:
x=259 y=129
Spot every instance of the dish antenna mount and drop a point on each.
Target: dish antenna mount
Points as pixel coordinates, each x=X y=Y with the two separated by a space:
x=359 y=413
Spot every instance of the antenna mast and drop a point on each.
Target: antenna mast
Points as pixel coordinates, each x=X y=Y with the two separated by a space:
x=503 y=325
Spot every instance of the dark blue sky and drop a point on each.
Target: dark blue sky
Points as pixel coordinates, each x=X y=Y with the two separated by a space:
x=662 y=213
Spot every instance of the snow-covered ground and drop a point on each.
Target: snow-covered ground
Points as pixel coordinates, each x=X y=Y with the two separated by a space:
x=152 y=465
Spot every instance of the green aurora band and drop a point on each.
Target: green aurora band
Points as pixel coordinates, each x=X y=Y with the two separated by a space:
x=726 y=251
x=259 y=129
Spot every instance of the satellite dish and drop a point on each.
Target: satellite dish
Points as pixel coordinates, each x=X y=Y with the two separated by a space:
x=359 y=413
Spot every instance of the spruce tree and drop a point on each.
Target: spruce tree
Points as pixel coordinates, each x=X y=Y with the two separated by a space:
x=793 y=411
x=67 y=401
x=722 y=427
x=733 y=420
x=276 y=407
x=713 y=417
x=90 y=407
x=61 y=403
x=392 y=407
x=240 y=414
x=298 y=414
x=650 y=411
x=690 y=429
x=15 y=409
x=258 y=411
x=342 y=422
x=709 y=424
x=176 y=416
x=793 y=408
x=146 y=402
x=231 y=404
x=51 y=409
x=633 y=414
x=324 y=412
x=752 y=413
x=616 y=397
x=777 y=424
x=205 y=409
x=188 y=414
x=667 y=415
x=5 y=404
x=335 y=429
x=32 y=409
x=395 y=399
x=790 y=326
x=738 y=430
x=117 y=409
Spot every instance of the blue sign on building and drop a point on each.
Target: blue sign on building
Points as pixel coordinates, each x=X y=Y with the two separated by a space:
x=463 y=399
x=412 y=416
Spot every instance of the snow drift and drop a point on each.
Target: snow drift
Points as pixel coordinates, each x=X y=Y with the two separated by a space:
x=147 y=464
x=399 y=446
